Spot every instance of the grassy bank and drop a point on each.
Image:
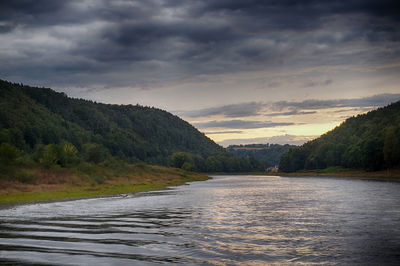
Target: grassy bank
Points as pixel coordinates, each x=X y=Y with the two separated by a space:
x=343 y=172
x=36 y=184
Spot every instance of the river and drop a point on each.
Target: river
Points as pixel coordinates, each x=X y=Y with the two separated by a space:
x=226 y=220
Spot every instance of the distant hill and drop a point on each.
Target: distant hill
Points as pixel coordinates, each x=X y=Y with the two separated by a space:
x=369 y=141
x=31 y=118
x=269 y=154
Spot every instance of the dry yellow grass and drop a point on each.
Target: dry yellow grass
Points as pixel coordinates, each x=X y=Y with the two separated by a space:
x=93 y=181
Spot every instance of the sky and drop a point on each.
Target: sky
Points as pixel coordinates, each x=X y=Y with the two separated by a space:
x=247 y=71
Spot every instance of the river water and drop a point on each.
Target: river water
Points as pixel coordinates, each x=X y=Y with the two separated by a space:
x=227 y=220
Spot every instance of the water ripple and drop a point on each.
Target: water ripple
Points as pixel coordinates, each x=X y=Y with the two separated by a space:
x=230 y=220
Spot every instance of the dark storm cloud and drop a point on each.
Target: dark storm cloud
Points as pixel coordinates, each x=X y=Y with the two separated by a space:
x=293 y=108
x=41 y=13
x=125 y=40
x=232 y=110
x=313 y=83
x=373 y=101
x=21 y=9
x=242 y=124
x=313 y=8
x=14 y=13
x=143 y=33
x=290 y=113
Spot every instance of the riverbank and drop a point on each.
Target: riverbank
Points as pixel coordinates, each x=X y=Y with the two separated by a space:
x=341 y=172
x=42 y=185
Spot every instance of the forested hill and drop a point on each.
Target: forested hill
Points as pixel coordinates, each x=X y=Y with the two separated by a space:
x=31 y=118
x=370 y=141
x=269 y=154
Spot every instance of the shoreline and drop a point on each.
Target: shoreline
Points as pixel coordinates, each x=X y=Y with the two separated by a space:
x=75 y=187
x=155 y=188
x=154 y=178
x=378 y=175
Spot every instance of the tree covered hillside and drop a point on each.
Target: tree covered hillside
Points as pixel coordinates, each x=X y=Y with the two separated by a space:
x=370 y=141
x=32 y=119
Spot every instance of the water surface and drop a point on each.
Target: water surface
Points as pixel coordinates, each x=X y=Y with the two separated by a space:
x=226 y=220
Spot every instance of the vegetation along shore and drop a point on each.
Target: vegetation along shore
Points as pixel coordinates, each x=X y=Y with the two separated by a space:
x=112 y=177
x=344 y=173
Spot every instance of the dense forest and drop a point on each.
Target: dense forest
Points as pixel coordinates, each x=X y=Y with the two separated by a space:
x=269 y=154
x=50 y=128
x=369 y=141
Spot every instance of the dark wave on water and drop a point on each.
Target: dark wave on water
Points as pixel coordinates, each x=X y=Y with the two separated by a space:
x=228 y=220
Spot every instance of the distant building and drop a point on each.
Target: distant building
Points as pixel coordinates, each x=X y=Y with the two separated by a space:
x=272 y=169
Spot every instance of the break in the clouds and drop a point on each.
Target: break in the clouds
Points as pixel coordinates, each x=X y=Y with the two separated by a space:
x=282 y=139
x=244 y=60
x=224 y=132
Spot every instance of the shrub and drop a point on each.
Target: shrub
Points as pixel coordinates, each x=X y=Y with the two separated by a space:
x=52 y=154
x=8 y=154
x=70 y=154
x=99 y=180
x=94 y=153
x=188 y=167
x=24 y=177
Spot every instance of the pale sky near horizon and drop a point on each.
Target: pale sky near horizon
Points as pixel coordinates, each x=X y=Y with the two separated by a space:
x=240 y=71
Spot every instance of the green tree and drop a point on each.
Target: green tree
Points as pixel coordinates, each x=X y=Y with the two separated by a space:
x=52 y=154
x=8 y=154
x=352 y=157
x=212 y=164
x=5 y=136
x=178 y=159
x=391 y=147
x=94 y=153
x=70 y=154
x=188 y=166
x=372 y=154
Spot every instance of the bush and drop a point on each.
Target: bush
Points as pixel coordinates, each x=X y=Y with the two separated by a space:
x=26 y=178
x=8 y=154
x=94 y=153
x=113 y=162
x=179 y=158
x=188 y=167
x=70 y=154
x=52 y=154
x=98 y=179
x=24 y=160
x=86 y=168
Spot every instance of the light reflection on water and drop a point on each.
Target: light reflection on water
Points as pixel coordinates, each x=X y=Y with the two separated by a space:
x=227 y=220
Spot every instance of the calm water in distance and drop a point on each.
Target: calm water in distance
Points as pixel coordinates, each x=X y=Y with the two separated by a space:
x=227 y=220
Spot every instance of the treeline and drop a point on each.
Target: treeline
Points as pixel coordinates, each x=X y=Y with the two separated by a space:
x=41 y=124
x=67 y=155
x=269 y=154
x=64 y=154
x=370 y=142
x=220 y=163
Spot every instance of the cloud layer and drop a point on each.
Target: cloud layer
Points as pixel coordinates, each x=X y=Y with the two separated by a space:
x=152 y=43
x=240 y=124
x=286 y=108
